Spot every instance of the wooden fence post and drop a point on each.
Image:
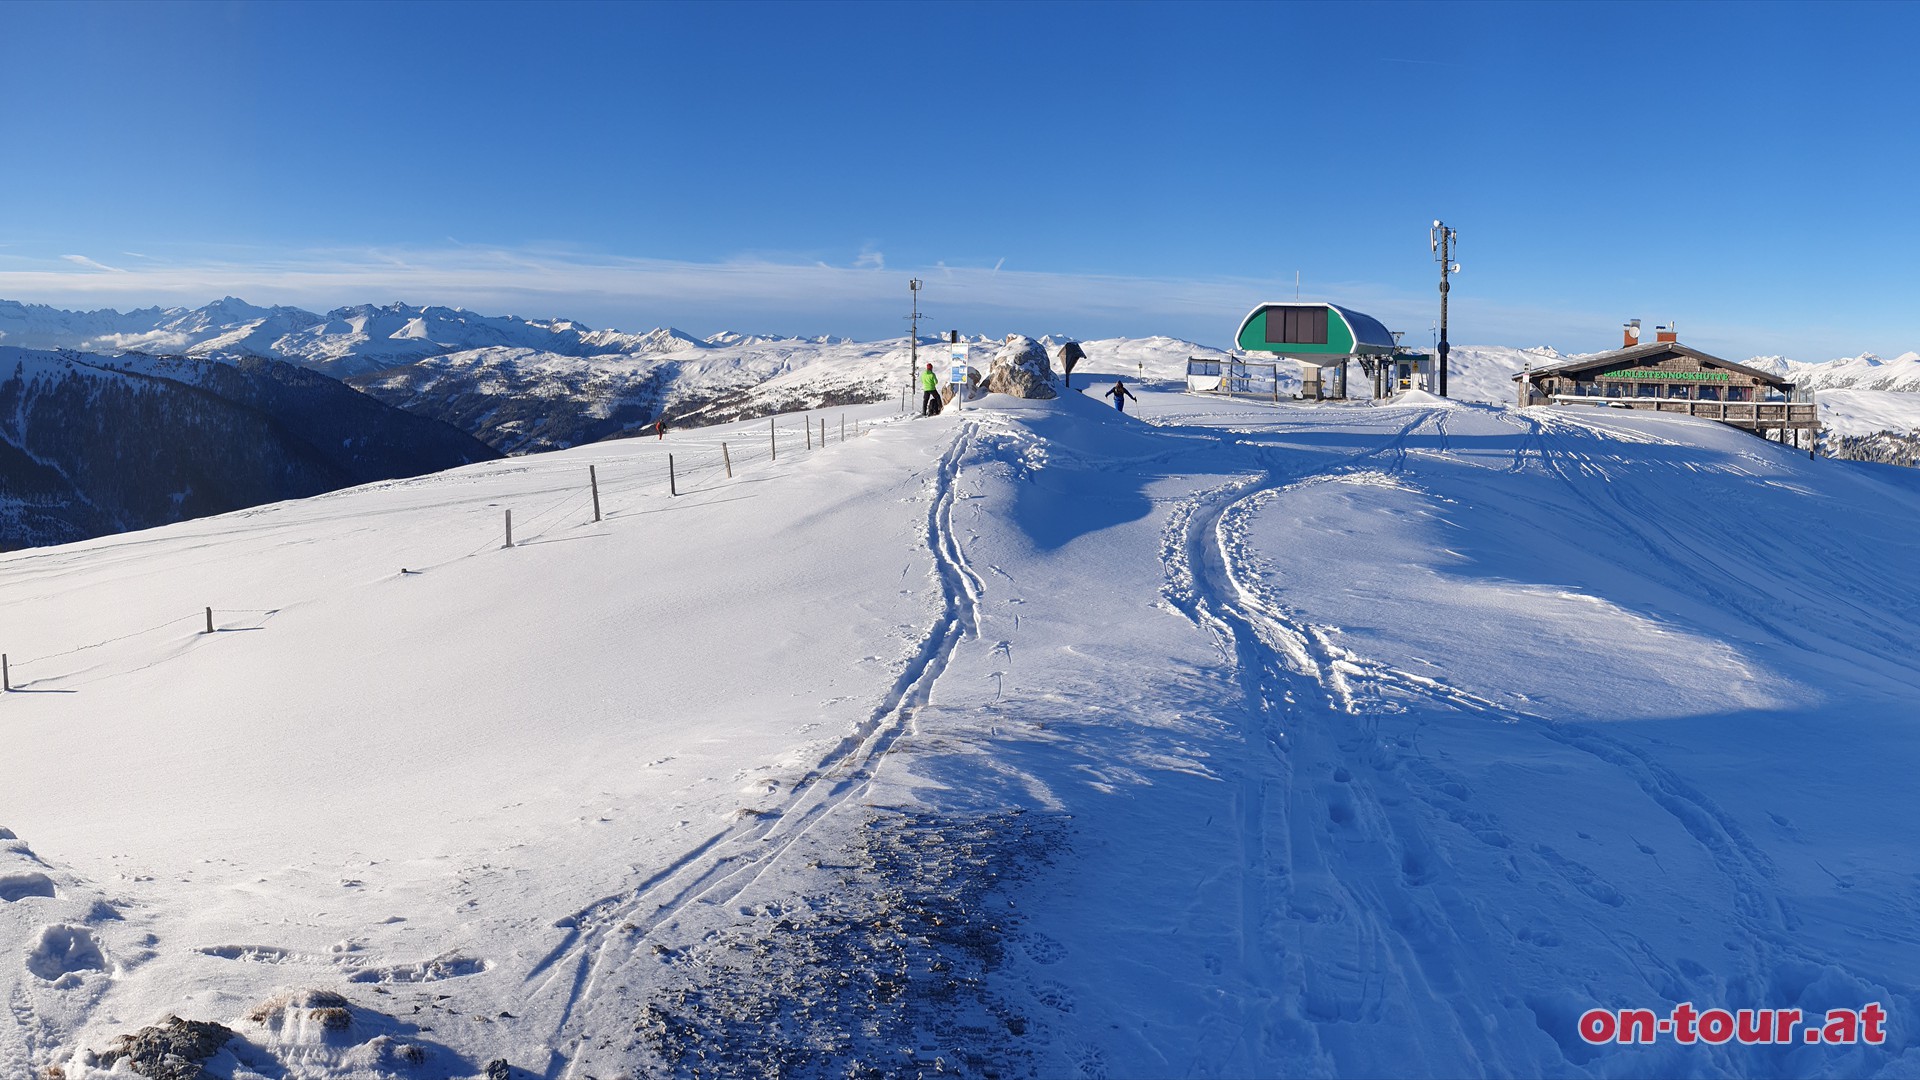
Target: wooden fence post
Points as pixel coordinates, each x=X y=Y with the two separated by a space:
x=823 y=433
x=593 y=478
x=728 y=459
x=843 y=427
x=209 y=620
x=672 y=488
x=509 y=528
x=773 y=448
x=808 y=424
x=6 y=676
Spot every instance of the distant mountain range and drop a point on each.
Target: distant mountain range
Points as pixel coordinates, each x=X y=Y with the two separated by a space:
x=516 y=385
x=93 y=444
x=526 y=385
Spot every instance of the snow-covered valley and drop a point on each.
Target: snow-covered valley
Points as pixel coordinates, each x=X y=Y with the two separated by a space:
x=1221 y=740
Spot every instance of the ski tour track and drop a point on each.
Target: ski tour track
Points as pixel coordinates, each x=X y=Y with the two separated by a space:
x=1336 y=812
x=606 y=935
x=1336 y=819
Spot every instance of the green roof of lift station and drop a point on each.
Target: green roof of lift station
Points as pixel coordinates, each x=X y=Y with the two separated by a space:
x=1308 y=329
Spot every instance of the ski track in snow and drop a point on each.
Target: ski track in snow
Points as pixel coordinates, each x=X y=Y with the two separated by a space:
x=1334 y=915
x=607 y=936
x=1386 y=920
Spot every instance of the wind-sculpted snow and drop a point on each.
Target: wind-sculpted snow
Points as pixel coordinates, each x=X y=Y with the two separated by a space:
x=1211 y=739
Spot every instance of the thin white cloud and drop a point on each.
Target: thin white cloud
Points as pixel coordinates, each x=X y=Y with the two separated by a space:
x=869 y=259
x=82 y=260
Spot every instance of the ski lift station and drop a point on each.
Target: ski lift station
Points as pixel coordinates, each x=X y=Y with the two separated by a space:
x=1324 y=339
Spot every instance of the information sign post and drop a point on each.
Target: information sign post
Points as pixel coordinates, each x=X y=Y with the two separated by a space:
x=959 y=378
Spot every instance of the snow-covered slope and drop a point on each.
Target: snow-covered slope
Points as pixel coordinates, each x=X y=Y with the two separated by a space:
x=1035 y=740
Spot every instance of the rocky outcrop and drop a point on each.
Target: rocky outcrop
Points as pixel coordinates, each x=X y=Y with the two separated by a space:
x=174 y=1050
x=1021 y=369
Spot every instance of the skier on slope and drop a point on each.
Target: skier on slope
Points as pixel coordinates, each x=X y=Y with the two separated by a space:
x=1120 y=394
x=930 y=396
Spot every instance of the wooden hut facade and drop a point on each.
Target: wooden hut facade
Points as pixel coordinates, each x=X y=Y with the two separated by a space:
x=1666 y=376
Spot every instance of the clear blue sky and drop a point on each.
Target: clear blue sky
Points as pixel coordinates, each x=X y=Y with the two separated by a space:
x=1094 y=169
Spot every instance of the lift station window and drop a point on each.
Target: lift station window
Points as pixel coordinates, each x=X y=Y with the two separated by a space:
x=1297 y=326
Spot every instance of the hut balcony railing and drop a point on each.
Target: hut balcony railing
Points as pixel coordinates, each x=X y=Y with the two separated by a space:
x=1744 y=413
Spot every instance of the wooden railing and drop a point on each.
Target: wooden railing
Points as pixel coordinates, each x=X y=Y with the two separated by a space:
x=1743 y=413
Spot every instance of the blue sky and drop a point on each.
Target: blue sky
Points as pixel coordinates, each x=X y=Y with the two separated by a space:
x=1093 y=169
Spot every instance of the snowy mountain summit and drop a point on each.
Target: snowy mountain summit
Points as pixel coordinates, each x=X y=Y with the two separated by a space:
x=1215 y=738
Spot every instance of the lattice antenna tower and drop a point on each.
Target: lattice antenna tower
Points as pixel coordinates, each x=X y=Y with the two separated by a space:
x=913 y=346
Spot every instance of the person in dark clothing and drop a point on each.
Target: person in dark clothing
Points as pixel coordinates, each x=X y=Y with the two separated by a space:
x=930 y=392
x=1120 y=394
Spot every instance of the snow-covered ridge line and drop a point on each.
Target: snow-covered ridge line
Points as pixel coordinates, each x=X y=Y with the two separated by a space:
x=359 y=338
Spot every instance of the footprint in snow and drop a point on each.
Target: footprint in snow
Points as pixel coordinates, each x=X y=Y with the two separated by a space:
x=62 y=951
x=1044 y=949
x=1055 y=995
x=19 y=886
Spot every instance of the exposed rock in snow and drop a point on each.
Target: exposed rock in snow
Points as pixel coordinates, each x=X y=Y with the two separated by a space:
x=174 y=1050
x=1021 y=369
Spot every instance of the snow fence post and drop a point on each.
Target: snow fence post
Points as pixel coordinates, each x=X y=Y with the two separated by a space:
x=823 y=433
x=672 y=488
x=509 y=528
x=209 y=620
x=593 y=478
x=6 y=676
x=808 y=424
x=773 y=448
x=727 y=459
x=843 y=427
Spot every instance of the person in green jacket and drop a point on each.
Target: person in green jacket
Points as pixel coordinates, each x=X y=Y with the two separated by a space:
x=930 y=398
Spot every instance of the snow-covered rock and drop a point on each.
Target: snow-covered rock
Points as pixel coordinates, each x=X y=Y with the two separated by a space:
x=1021 y=369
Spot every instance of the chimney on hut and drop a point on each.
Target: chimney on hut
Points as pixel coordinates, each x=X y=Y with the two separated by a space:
x=1631 y=334
x=1667 y=333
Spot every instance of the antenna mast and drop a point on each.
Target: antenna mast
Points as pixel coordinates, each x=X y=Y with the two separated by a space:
x=913 y=346
x=1444 y=242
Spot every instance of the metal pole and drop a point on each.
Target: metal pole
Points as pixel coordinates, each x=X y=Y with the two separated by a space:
x=808 y=424
x=1444 y=240
x=672 y=488
x=728 y=459
x=509 y=528
x=913 y=342
x=594 y=479
x=773 y=448
x=209 y=620
x=843 y=427
x=6 y=676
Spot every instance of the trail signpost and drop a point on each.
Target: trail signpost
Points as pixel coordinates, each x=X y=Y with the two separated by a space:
x=959 y=376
